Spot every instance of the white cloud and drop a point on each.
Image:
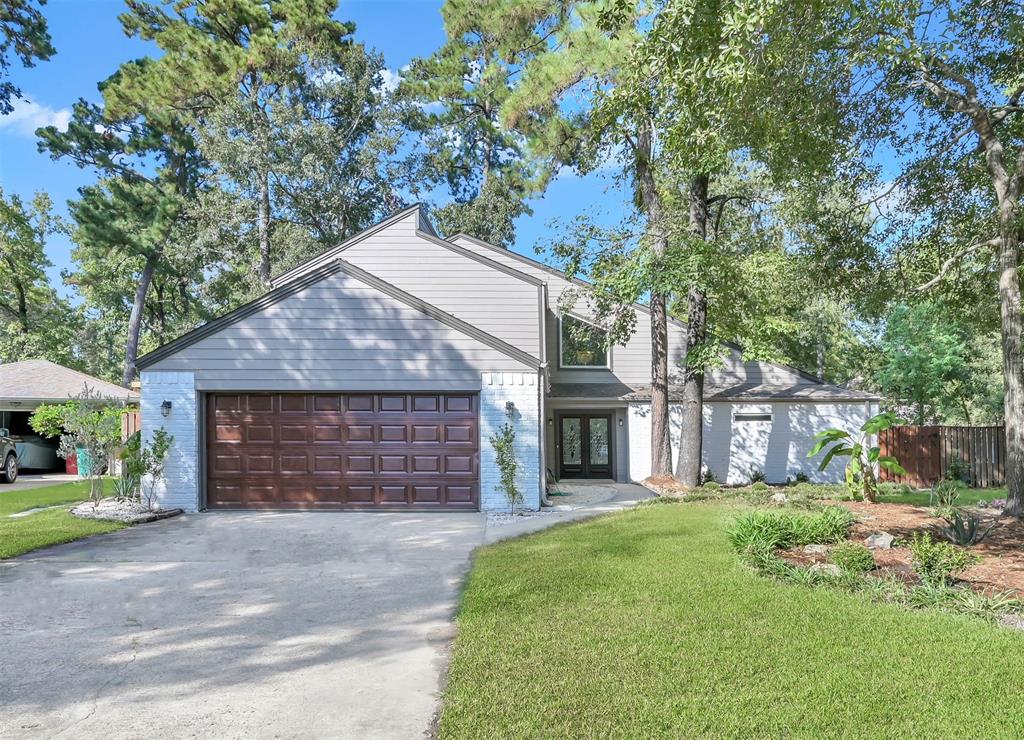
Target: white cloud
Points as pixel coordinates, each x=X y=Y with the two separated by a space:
x=27 y=116
x=390 y=80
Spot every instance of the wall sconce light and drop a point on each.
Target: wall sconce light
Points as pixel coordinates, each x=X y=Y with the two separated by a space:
x=621 y=423
x=165 y=409
x=510 y=409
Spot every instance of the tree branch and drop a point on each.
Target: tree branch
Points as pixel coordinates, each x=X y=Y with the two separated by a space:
x=994 y=242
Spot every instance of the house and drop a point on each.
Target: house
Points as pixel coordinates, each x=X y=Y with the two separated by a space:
x=27 y=384
x=375 y=374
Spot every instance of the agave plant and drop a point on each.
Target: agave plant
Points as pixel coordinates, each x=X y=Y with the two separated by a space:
x=861 y=479
x=964 y=528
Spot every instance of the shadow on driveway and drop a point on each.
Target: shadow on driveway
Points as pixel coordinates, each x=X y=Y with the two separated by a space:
x=235 y=625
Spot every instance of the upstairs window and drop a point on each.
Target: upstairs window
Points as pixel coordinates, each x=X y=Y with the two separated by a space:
x=582 y=344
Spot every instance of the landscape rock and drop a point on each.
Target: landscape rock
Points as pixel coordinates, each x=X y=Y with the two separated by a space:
x=779 y=498
x=828 y=568
x=816 y=549
x=880 y=541
x=1013 y=621
x=122 y=510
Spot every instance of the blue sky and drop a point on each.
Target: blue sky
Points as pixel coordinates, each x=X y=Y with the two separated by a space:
x=90 y=46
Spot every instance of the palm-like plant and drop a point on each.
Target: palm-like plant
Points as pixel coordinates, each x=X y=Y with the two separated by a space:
x=861 y=478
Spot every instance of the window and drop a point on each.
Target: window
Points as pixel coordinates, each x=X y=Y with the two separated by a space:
x=748 y=416
x=582 y=344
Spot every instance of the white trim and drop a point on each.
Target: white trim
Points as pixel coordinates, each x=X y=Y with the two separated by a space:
x=607 y=352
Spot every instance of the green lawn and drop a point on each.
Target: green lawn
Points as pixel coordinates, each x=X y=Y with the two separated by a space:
x=643 y=624
x=11 y=502
x=45 y=528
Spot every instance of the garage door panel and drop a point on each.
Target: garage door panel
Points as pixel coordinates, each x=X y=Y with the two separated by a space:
x=328 y=450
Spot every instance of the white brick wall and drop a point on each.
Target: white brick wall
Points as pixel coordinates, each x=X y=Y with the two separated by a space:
x=523 y=390
x=181 y=487
x=732 y=449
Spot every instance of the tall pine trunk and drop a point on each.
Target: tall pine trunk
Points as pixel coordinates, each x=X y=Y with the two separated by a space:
x=1013 y=367
x=691 y=433
x=263 y=229
x=131 y=352
x=661 y=443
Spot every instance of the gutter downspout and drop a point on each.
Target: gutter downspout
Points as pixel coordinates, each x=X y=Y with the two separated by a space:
x=542 y=301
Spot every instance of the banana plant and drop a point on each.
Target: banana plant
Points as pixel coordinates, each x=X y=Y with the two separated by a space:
x=864 y=458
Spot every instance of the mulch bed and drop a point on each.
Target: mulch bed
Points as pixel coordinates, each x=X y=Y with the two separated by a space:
x=1001 y=568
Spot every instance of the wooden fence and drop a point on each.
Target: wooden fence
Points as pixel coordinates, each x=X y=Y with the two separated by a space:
x=130 y=424
x=927 y=452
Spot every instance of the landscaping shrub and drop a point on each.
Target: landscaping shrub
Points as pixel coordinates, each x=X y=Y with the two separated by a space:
x=852 y=557
x=937 y=562
x=964 y=528
x=801 y=477
x=711 y=485
x=760 y=486
x=946 y=492
x=773 y=529
x=757 y=476
x=958 y=470
x=708 y=476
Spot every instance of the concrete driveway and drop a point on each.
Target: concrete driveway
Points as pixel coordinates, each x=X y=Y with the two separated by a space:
x=234 y=625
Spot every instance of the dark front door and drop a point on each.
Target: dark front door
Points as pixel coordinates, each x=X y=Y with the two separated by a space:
x=585 y=446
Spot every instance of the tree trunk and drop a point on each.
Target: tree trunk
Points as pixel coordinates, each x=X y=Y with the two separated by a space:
x=1013 y=368
x=131 y=352
x=691 y=437
x=661 y=443
x=22 y=310
x=820 y=364
x=263 y=228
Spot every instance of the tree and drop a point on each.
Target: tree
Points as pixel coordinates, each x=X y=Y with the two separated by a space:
x=458 y=94
x=666 y=90
x=864 y=457
x=957 y=69
x=34 y=320
x=88 y=426
x=151 y=169
x=238 y=67
x=23 y=32
x=924 y=355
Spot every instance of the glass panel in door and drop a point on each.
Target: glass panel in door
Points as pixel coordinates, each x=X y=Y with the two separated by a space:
x=572 y=440
x=598 y=438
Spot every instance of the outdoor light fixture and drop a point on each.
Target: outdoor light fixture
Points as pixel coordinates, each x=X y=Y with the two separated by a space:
x=510 y=409
x=620 y=422
x=165 y=409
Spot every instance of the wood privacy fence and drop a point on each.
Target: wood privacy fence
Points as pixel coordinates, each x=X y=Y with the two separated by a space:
x=927 y=452
x=130 y=424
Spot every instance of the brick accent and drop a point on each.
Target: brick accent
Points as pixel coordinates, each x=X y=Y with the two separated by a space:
x=181 y=487
x=523 y=389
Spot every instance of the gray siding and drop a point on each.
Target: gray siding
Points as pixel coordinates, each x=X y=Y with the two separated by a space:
x=502 y=305
x=338 y=334
x=631 y=363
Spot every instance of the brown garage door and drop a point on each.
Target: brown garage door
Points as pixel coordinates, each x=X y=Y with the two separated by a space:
x=333 y=450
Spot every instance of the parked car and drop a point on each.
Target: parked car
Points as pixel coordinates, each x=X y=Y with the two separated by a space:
x=9 y=472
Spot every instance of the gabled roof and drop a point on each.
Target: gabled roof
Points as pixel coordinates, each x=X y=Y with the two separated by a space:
x=42 y=380
x=423 y=224
x=316 y=275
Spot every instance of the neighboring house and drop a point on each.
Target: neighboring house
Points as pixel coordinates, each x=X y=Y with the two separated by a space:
x=29 y=383
x=375 y=374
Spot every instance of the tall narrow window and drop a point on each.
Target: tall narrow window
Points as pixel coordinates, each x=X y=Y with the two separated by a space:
x=582 y=344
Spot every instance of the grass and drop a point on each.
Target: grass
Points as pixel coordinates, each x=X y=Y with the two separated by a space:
x=644 y=624
x=11 y=502
x=46 y=528
x=968 y=497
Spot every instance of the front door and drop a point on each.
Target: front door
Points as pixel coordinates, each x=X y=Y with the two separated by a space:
x=585 y=446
